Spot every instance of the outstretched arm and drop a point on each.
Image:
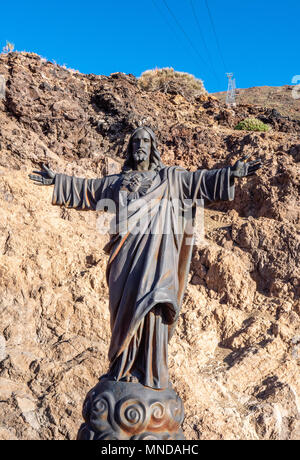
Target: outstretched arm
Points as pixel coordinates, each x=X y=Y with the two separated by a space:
x=74 y=192
x=216 y=184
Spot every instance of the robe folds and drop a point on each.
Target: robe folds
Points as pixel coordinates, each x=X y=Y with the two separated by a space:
x=150 y=253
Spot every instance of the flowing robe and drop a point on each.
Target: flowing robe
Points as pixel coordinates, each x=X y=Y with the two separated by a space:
x=150 y=254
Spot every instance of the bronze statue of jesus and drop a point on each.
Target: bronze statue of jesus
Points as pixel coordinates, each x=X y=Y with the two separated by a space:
x=149 y=261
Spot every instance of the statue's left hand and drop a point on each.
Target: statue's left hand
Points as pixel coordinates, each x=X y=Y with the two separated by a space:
x=242 y=168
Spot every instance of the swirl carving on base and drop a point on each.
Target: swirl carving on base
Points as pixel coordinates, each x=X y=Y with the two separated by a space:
x=132 y=415
x=126 y=410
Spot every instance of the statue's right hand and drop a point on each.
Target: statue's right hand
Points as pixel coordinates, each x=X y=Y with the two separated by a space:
x=45 y=177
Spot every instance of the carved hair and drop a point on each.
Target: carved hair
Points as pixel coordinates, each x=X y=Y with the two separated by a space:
x=155 y=161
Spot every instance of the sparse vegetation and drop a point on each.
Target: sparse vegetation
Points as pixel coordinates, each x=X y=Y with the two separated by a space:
x=8 y=48
x=167 y=80
x=252 y=124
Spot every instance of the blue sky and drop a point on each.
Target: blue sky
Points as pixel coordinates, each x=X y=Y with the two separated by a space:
x=258 y=40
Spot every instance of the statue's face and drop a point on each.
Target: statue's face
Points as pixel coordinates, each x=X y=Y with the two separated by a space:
x=141 y=146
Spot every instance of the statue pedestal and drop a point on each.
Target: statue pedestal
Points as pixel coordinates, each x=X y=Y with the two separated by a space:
x=125 y=410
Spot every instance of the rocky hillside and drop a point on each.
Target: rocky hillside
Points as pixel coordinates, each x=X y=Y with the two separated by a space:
x=280 y=98
x=235 y=356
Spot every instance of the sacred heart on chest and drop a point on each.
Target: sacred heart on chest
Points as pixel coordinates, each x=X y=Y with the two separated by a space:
x=136 y=184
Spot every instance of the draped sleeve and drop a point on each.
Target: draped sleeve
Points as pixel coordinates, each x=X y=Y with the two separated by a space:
x=82 y=194
x=210 y=185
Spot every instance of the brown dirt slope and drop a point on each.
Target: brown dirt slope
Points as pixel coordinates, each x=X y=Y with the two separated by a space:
x=279 y=98
x=234 y=358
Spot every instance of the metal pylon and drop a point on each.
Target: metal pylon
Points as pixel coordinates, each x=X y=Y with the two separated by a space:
x=231 y=94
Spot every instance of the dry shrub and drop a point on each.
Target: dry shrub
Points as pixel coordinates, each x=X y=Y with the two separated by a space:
x=8 y=48
x=167 y=80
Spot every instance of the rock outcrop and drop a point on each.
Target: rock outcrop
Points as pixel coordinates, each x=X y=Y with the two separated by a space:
x=235 y=356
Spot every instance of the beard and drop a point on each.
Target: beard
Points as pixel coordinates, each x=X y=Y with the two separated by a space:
x=140 y=156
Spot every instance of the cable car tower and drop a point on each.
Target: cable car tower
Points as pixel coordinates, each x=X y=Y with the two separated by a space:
x=231 y=93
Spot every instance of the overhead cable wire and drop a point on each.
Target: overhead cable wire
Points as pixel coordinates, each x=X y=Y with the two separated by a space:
x=215 y=34
x=163 y=15
x=202 y=38
x=184 y=33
